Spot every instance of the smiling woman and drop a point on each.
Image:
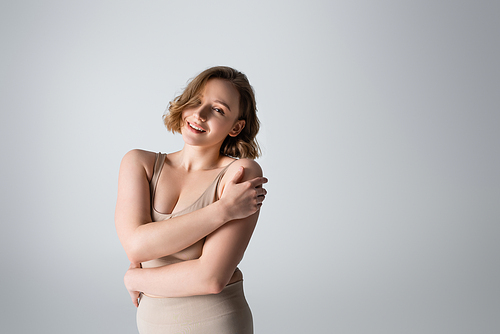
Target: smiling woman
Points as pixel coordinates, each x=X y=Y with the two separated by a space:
x=186 y=218
x=244 y=145
x=212 y=118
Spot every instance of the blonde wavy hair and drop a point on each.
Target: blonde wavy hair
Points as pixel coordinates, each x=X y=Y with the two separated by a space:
x=244 y=145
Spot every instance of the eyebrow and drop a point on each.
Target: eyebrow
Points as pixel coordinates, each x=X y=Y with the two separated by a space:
x=223 y=103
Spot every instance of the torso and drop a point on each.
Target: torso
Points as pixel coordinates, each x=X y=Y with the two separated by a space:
x=177 y=188
x=175 y=191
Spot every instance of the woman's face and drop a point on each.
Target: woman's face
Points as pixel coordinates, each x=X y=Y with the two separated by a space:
x=215 y=116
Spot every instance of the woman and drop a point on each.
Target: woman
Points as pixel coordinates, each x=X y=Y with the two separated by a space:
x=185 y=219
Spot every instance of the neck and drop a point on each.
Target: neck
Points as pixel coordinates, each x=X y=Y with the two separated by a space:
x=199 y=158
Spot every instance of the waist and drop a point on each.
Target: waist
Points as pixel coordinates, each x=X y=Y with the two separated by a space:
x=237 y=277
x=201 y=311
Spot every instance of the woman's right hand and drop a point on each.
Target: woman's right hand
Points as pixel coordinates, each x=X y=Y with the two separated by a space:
x=242 y=199
x=135 y=295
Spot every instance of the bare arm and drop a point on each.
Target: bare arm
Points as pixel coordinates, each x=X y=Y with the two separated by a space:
x=144 y=240
x=222 y=251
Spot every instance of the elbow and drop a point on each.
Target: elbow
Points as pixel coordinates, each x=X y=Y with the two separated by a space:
x=212 y=277
x=135 y=252
x=214 y=284
x=134 y=259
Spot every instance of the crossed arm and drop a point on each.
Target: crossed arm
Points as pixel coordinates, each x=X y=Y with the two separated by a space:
x=228 y=225
x=209 y=274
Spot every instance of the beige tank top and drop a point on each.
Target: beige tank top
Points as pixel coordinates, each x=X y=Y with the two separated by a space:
x=209 y=196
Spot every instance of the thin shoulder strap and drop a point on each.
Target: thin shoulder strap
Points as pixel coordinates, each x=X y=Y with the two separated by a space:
x=223 y=171
x=219 y=177
x=159 y=160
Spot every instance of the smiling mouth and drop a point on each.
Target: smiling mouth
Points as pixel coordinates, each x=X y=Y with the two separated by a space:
x=196 y=127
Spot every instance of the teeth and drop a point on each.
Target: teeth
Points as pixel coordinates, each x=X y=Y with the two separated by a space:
x=195 y=127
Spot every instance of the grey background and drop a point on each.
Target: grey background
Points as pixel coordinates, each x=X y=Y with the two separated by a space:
x=380 y=137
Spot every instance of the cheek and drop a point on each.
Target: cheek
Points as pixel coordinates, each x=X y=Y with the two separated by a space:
x=182 y=121
x=184 y=115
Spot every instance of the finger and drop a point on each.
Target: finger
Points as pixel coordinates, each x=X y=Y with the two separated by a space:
x=134 y=265
x=135 y=299
x=238 y=175
x=258 y=181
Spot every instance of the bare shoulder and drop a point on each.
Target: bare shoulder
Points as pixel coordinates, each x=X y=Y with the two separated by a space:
x=251 y=169
x=138 y=160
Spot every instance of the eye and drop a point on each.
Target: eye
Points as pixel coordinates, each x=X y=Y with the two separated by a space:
x=219 y=110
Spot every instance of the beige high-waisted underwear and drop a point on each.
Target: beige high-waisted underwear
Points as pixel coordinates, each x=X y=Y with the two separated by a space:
x=223 y=313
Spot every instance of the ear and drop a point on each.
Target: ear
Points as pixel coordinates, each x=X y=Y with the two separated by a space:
x=237 y=128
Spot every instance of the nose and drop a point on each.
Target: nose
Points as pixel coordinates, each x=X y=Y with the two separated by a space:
x=201 y=112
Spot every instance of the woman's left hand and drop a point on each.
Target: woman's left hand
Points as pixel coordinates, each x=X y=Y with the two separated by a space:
x=133 y=294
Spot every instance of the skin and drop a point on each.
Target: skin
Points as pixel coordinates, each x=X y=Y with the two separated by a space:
x=227 y=224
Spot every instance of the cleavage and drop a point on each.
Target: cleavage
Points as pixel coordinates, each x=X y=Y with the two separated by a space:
x=177 y=190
